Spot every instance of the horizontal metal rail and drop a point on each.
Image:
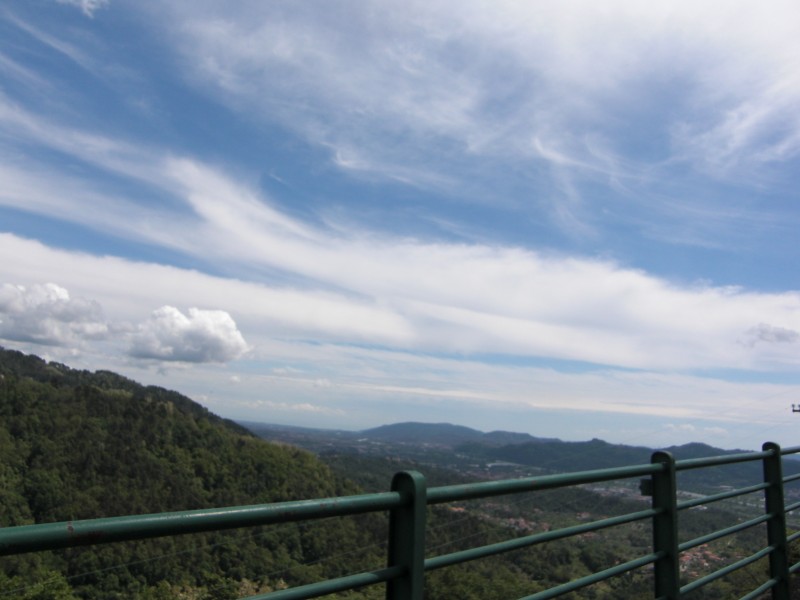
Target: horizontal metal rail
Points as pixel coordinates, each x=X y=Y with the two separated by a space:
x=333 y=586
x=486 y=489
x=717 y=461
x=716 y=535
x=403 y=575
x=576 y=584
x=48 y=536
x=454 y=558
x=757 y=593
x=705 y=500
x=790 y=478
x=793 y=506
x=698 y=583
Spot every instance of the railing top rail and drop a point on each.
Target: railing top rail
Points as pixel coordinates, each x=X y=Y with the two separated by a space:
x=485 y=489
x=47 y=536
x=721 y=533
x=790 y=450
x=725 y=459
x=705 y=500
x=582 y=582
x=332 y=586
x=445 y=560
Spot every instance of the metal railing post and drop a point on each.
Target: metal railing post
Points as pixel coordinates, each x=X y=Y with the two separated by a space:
x=776 y=526
x=407 y=537
x=665 y=528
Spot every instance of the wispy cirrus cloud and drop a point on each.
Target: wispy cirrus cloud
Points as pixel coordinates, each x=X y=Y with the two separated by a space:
x=431 y=86
x=88 y=7
x=471 y=298
x=528 y=108
x=370 y=350
x=56 y=42
x=443 y=296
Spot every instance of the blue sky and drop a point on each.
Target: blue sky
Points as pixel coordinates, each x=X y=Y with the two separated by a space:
x=571 y=219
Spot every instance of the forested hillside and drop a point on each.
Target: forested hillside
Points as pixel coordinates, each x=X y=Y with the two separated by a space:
x=78 y=445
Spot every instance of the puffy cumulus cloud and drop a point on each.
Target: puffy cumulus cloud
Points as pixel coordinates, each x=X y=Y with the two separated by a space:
x=202 y=336
x=46 y=314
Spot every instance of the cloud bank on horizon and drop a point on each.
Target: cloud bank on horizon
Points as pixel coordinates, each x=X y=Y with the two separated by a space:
x=468 y=211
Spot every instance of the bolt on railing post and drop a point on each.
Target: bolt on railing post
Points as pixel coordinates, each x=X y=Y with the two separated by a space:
x=776 y=526
x=665 y=528
x=407 y=537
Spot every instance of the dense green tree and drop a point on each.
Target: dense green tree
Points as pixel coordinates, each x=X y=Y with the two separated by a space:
x=77 y=445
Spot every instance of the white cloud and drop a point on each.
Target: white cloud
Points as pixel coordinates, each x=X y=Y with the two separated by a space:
x=125 y=286
x=369 y=375
x=471 y=298
x=54 y=42
x=23 y=75
x=434 y=68
x=443 y=97
x=463 y=298
x=88 y=7
x=369 y=382
x=716 y=431
x=443 y=297
x=202 y=336
x=135 y=161
x=425 y=97
x=288 y=407
x=683 y=427
x=46 y=314
x=432 y=92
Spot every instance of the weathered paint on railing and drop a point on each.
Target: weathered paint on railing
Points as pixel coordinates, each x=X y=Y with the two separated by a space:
x=407 y=503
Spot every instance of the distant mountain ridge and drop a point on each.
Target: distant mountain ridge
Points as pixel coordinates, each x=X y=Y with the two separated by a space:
x=549 y=453
x=444 y=434
x=460 y=436
x=449 y=444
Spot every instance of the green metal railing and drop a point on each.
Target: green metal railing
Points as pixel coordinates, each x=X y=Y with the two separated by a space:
x=407 y=504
